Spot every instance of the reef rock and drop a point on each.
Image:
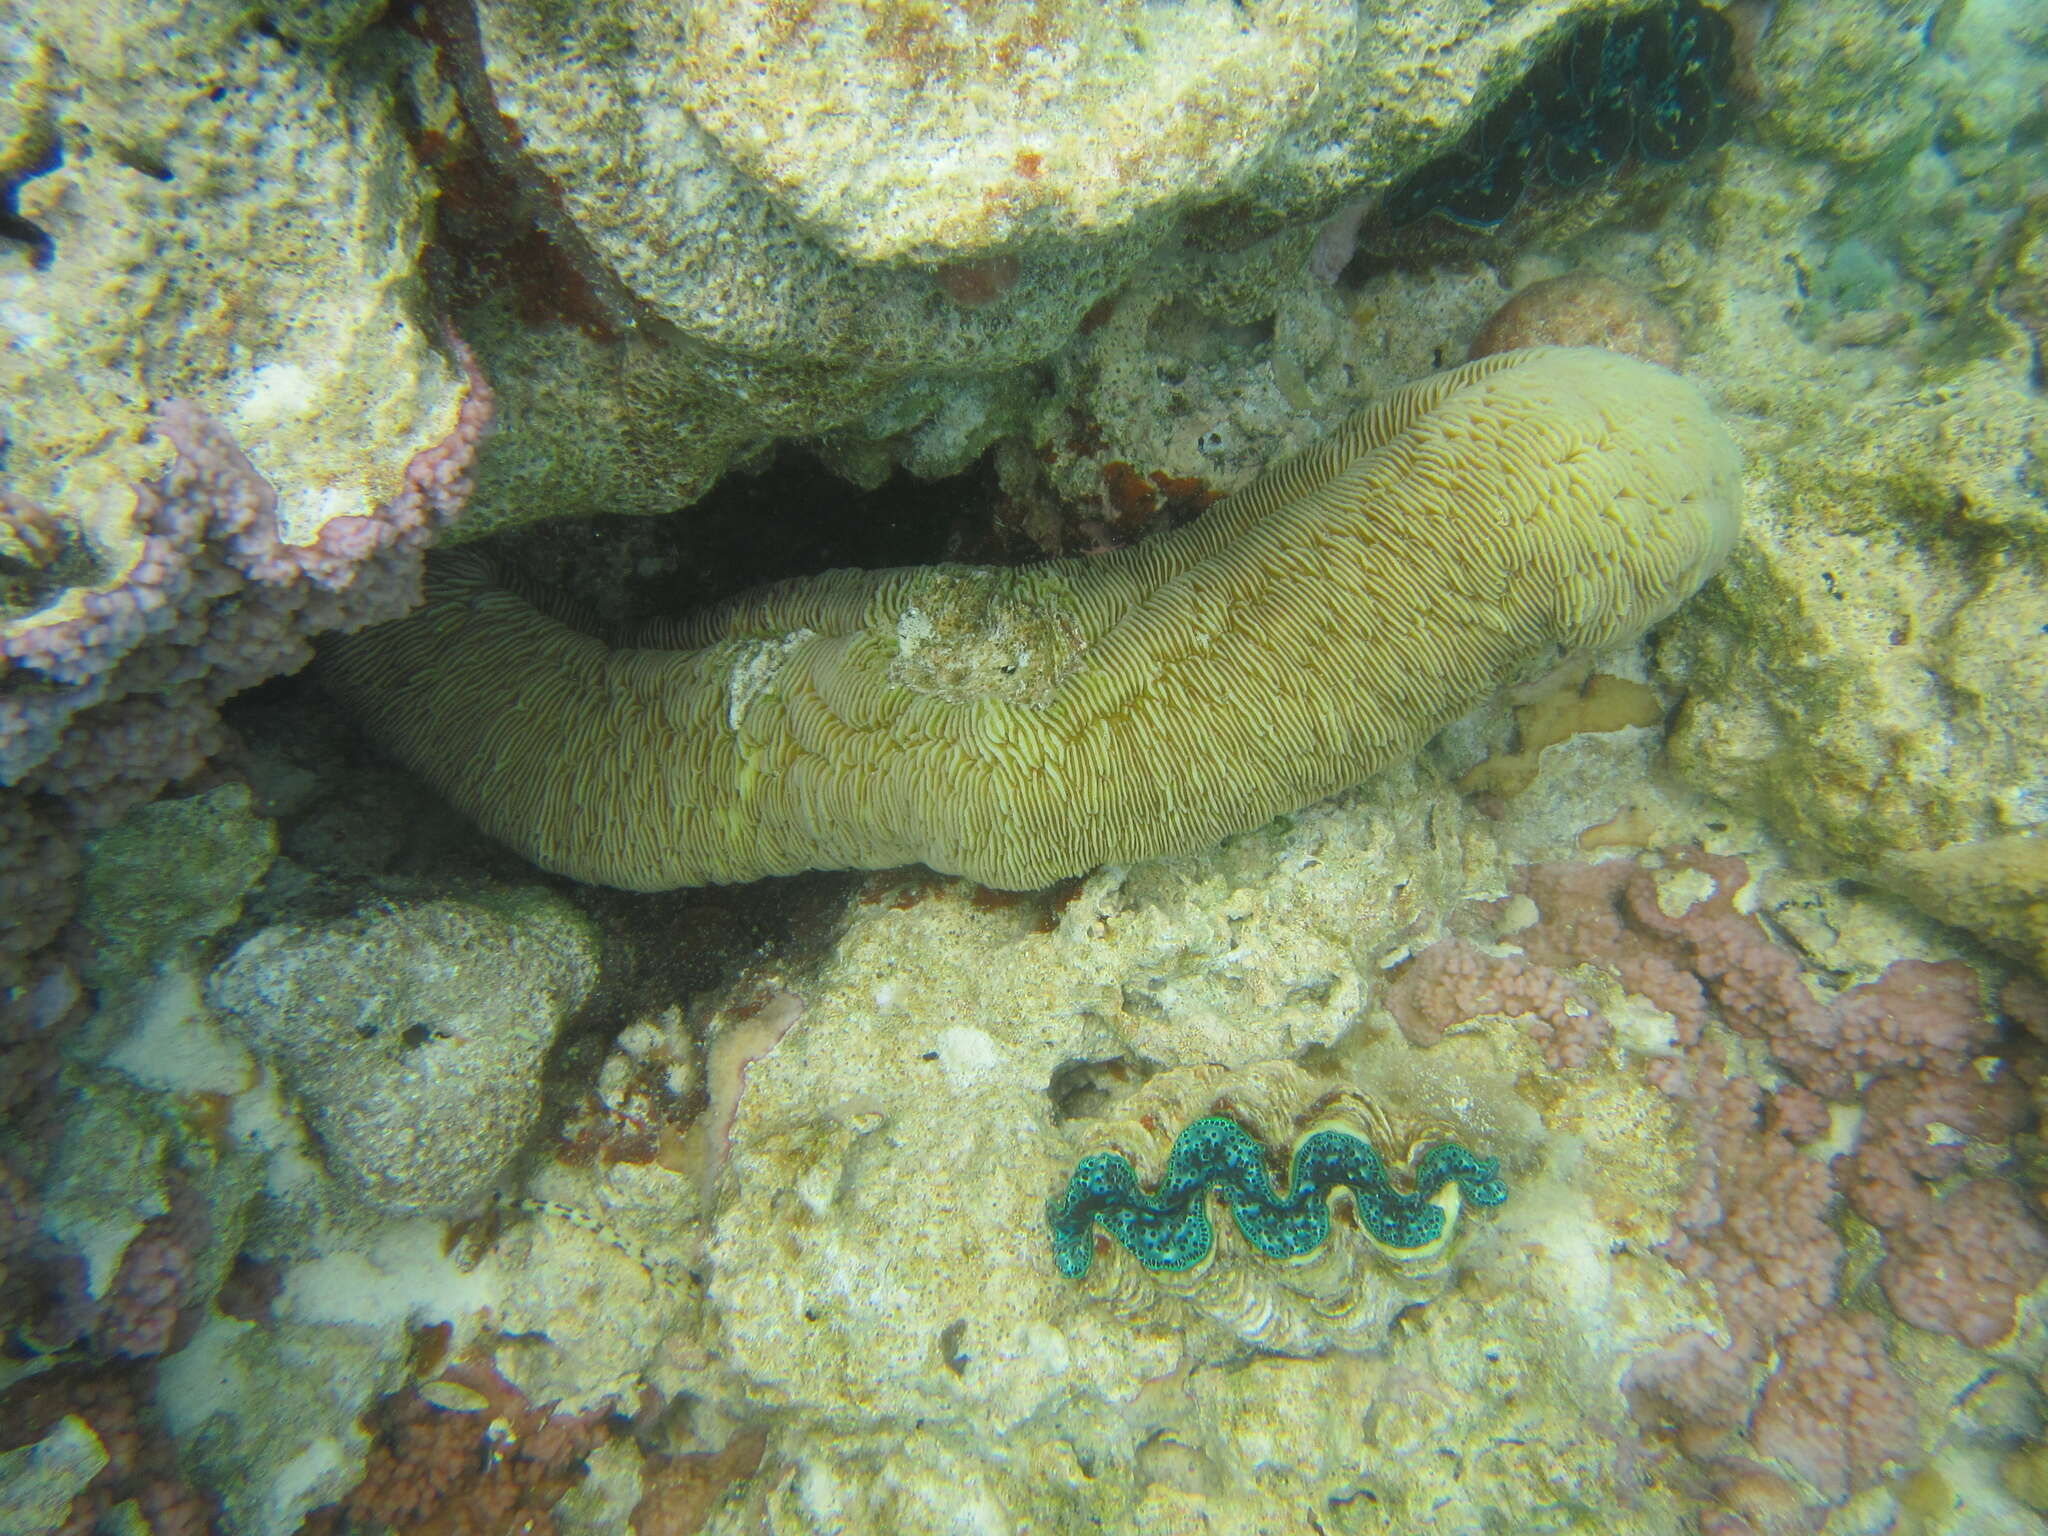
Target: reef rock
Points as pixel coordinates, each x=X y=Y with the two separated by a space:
x=170 y=873
x=413 y=1035
x=881 y=1261
x=814 y=221
x=218 y=217
x=1868 y=673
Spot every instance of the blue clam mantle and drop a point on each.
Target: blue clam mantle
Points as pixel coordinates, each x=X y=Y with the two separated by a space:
x=1170 y=1229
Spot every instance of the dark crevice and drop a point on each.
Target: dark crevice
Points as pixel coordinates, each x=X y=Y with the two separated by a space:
x=136 y=158
x=41 y=248
x=795 y=517
x=1084 y=1089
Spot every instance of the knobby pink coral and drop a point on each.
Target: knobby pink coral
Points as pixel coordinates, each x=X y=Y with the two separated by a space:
x=1800 y=1406
x=1836 y=1411
x=1963 y=1268
x=142 y=1463
x=1452 y=982
x=436 y=1471
x=1916 y=1016
x=1755 y=1222
x=1919 y=1130
x=149 y=1306
x=103 y=706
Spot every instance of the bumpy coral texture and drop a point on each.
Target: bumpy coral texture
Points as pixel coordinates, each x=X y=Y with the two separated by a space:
x=1916 y=1017
x=1583 y=309
x=1755 y=1223
x=102 y=707
x=420 y=1100
x=147 y=1309
x=1800 y=1382
x=142 y=1463
x=437 y=1471
x=1452 y=982
x=1963 y=1269
x=1919 y=1130
x=1958 y=1265
x=683 y=1490
x=1836 y=1411
x=1023 y=726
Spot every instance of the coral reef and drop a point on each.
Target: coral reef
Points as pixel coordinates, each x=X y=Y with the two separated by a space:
x=931 y=1046
x=1024 y=726
x=1799 y=1381
x=138 y=1473
x=39 y=1482
x=1964 y=1266
x=748 y=1232
x=175 y=152
x=413 y=1035
x=174 y=305
x=1453 y=982
x=1836 y=1411
x=1654 y=84
x=1866 y=675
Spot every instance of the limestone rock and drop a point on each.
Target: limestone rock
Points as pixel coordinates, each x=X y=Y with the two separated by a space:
x=171 y=872
x=413 y=1035
x=223 y=218
x=1849 y=79
x=838 y=224
x=1867 y=674
x=1997 y=889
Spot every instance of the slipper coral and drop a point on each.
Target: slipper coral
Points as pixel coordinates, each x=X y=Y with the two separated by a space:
x=1021 y=726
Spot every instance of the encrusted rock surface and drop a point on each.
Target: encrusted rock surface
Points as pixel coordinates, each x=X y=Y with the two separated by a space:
x=1869 y=671
x=413 y=1035
x=792 y=1232
x=878 y=1247
x=170 y=872
x=228 y=220
x=864 y=224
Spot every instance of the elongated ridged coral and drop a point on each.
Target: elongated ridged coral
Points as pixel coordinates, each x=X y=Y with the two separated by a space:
x=1019 y=726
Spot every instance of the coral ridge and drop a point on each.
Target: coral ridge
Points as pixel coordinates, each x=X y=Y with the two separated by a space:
x=1023 y=726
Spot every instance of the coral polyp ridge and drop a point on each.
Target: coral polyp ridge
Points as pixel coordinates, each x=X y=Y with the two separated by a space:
x=1170 y=1229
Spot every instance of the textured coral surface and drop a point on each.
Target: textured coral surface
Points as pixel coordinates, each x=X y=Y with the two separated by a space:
x=1023 y=728
x=724 y=1210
